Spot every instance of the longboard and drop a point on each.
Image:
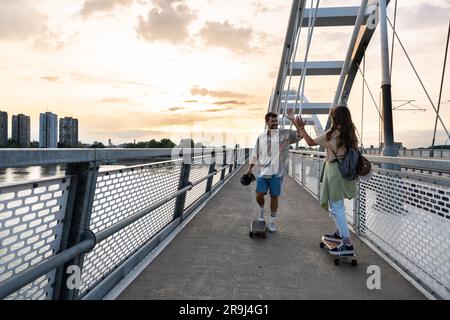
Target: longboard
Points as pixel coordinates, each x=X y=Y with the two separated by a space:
x=257 y=229
x=338 y=259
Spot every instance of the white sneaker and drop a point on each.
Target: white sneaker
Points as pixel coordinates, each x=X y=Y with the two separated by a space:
x=271 y=226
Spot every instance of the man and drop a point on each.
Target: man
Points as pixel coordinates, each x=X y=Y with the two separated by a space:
x=271 y=156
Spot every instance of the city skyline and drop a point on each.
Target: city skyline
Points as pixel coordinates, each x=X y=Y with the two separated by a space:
x=65 y=134
x=20 y=130
x=126 y=73
x=4 y=132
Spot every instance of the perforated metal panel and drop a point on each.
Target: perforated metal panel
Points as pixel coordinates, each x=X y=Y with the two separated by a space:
x=199 y=169
x=31 y=225
x=296 y=167
x=120 y=194
x=410 y=221
x=219 y=165
x=349 y=210
x=240 y=157
x=311 y=172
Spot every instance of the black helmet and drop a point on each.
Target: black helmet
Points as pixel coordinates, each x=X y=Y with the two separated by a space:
x=247 y=179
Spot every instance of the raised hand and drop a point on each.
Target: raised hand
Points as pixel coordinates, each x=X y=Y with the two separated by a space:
x=290 y=115
x=299 y=121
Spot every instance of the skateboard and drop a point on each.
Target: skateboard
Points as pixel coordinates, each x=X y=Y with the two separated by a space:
x=338 y=259
x=257 y=229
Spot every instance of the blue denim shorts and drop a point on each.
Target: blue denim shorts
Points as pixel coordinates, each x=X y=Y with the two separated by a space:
x=273 y=184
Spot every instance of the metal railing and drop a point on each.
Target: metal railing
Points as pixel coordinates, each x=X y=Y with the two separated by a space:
x=403 y=214
x=76 y=236
x=419 y=153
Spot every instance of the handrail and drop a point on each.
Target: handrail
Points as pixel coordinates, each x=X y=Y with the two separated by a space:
x=431 y=164
x=13 y=158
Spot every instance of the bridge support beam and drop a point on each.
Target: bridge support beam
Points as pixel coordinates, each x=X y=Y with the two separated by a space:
x=76 y=222
x=183 y=182
x=212 y=168
x=224 y=163
x=389 y=148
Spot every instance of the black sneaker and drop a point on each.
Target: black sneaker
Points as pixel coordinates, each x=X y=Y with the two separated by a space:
x=335 y=237
x=343 y=250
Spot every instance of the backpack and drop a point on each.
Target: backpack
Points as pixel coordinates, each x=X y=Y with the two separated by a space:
x=353 y=165
x=364 y=166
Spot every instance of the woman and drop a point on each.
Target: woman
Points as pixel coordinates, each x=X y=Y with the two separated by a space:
x=334 y=188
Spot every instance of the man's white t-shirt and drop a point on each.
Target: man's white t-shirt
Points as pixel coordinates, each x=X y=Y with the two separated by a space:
x=271 y=152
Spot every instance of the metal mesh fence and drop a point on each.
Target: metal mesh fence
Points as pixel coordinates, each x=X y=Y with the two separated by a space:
x=31 y=223
x=199 y=169
x=32 y=216
x=296 y=168
x=410 y=221
x=118 y=195
x=349 y=205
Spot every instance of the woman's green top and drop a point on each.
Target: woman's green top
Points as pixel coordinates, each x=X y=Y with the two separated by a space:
x=334 y=187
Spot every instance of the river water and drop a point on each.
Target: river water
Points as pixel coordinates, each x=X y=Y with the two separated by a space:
x=11 y=175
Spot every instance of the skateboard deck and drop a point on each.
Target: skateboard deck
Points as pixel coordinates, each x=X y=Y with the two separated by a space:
x=337 y=259
x=257 y=229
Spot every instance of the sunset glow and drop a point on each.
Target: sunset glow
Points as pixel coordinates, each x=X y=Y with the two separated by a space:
x=130 y=69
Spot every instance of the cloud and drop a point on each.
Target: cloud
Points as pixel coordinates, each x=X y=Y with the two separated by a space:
x=53 y=79
x=272 y=74
x=116 y=100
x=225 y=35
x=21 y=21
x=176 y=109
x=219 y=110
x=18 y=20
x=143 y=120
x=70 y=77
x=90 y=7
x=167 y=22
x=221 y=103
x=423 y=16
x=261 y=8
x=198 y=91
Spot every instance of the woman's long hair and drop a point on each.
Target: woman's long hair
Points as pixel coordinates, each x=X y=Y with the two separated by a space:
x=341 y=120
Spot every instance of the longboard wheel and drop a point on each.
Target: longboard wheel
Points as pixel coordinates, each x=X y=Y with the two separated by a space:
x=321 y=245
x=354 y=262
x=250 y=234
x=336 y=261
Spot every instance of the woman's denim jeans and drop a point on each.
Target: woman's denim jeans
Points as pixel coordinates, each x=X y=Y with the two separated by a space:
x=337 y=210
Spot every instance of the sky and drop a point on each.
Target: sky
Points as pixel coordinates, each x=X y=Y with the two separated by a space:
x=153 y=69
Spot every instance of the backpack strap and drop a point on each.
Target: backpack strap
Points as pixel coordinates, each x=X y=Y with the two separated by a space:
x=335 y=156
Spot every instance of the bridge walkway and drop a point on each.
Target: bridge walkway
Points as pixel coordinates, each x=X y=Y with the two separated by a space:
x=214 y=258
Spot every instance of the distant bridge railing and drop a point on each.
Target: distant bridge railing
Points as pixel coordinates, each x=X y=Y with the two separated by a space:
x=77 y=235
x=420 y=153
x=403 y=214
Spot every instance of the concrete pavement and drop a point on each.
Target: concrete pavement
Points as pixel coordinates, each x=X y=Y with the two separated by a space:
x=214 y=258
